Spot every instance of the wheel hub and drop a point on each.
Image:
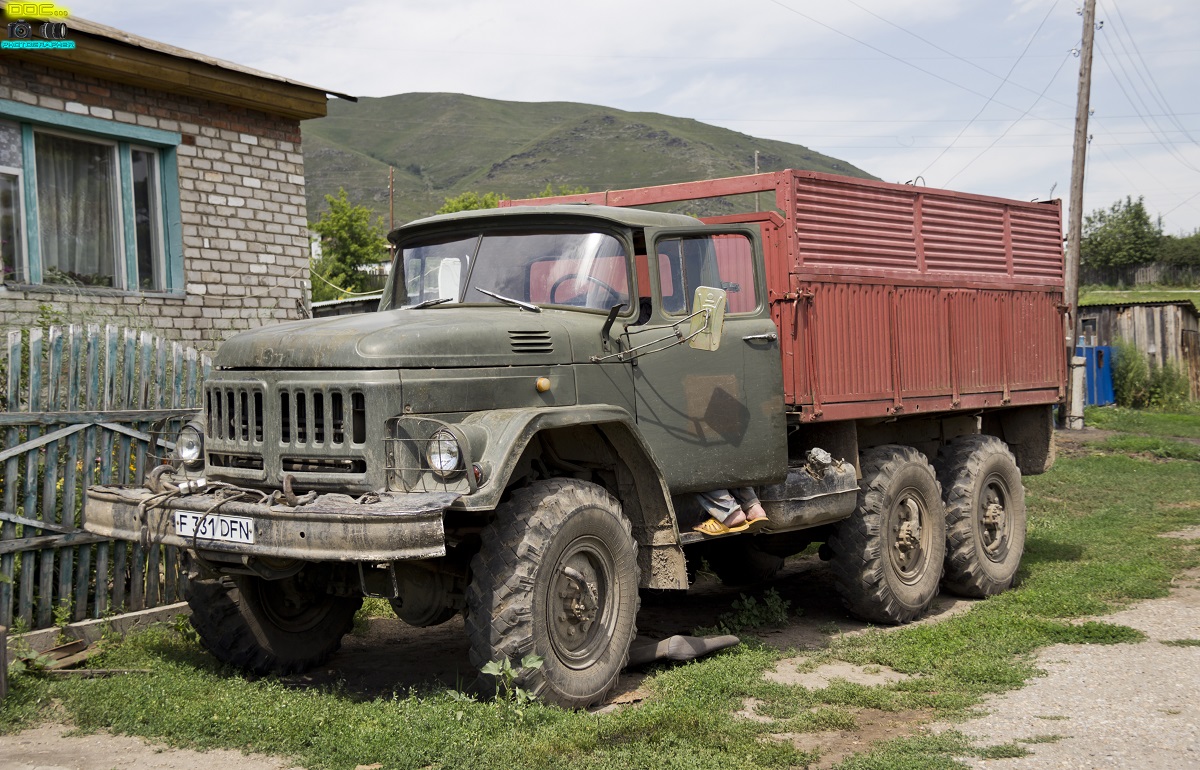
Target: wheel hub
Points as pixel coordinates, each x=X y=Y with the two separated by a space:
x=579 y=602
x=993 y=518
x=907 y=542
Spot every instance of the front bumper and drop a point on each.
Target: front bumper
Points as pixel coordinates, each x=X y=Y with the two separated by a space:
x=330 y=528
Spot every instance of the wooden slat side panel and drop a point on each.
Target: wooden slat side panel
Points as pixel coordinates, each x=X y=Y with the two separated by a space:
x=923 y=342
x=1035 y=358
x=850 y=226
x=1037 y=243
x=977 y=340
x=963 y=236
x=849 y=331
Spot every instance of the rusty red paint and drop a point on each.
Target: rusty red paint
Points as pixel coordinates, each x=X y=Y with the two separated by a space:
x=892 y=298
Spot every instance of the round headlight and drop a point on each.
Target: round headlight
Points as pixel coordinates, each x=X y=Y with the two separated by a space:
x=189 y=444
x=443 y=454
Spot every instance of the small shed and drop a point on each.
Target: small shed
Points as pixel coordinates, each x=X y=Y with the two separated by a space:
x=1167 y=331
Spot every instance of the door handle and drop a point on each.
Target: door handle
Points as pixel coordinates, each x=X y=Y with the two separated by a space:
x=769 y=336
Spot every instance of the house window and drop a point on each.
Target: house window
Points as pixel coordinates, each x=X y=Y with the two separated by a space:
x=12 y=258
x=147 y=219
x=79 y=225
x=88 y=203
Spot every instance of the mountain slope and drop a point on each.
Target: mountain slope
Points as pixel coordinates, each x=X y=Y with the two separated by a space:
x=445 y=144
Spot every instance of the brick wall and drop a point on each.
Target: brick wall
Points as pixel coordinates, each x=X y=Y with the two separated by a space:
x=245 y=228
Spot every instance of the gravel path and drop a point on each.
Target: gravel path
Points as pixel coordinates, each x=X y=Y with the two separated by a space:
x=1131 y=706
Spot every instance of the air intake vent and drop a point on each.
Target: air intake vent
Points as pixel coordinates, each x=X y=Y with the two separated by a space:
x=531 y=342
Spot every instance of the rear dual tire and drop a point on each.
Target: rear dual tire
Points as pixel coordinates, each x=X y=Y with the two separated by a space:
x=985 y=515
x=887 y=557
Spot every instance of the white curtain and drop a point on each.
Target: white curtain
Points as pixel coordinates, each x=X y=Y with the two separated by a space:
x=77 y=210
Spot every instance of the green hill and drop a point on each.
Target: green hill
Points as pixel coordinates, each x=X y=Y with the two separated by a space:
x=445 y=144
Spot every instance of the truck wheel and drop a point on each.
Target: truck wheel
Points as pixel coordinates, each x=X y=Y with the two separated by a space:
x=985 y=515
x=557 y=577
x=269 y=626
x=887 y=557
x=737 y=561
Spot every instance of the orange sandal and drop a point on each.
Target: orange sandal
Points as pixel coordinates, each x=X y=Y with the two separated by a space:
x=712 y=527
x=754 y=525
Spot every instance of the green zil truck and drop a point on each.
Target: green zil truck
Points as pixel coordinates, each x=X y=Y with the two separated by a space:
x=518 y=434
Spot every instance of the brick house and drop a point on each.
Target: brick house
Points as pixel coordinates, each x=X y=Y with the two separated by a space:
x=149 y=186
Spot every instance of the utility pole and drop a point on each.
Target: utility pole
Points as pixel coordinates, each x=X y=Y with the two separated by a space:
x=757 y=200
x=391 y=198
x=1074 y=415
x=391 y=207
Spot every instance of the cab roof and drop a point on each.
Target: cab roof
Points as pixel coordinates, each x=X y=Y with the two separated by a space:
x=576 y=211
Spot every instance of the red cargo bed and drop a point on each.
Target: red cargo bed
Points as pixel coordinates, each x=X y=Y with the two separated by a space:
x=893 y=299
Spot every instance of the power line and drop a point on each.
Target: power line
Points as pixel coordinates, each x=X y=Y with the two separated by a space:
x=1150 y=124
x=952 y=55
x=1011 y=69
x=1155 y=92
x=891 y=56
x=1013 y=124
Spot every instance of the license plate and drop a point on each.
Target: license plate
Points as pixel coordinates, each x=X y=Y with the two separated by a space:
x=214 y=526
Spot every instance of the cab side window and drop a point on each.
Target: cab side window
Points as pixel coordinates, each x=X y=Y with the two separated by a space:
x=721 y=261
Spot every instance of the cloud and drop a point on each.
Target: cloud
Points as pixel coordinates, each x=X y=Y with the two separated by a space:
x=884 y=84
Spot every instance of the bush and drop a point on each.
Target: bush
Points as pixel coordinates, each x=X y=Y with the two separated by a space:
x=1131 y=375
x=1138 y=383
x=1168 y=387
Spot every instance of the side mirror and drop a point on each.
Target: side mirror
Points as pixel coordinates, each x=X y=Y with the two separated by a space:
x=706 y=327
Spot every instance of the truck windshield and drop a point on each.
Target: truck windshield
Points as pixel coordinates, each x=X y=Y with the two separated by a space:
x=568 y=269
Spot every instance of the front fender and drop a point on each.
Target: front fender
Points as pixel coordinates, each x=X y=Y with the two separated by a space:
x=644 y=494
x=508 y=432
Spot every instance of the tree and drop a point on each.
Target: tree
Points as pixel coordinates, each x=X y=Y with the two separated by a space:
x=1180 y=249
x=1121 y=235
x=563 y=189
x=470 y=201
x=349 y=241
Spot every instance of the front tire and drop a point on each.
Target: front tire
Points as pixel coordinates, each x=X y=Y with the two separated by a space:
x=985 y=515
x=557 y=577
x=269 y=626
x=887 y=557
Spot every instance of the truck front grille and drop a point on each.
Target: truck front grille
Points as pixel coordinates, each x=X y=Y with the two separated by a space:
x=235 y=414
x=321 y=417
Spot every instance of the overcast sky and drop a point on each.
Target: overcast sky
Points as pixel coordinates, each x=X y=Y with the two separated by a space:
x=976 y=95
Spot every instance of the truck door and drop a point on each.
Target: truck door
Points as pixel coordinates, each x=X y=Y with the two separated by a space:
x=714 y=418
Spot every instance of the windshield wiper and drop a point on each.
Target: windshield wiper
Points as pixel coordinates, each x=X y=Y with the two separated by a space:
x=429 y=303
x=510 y=300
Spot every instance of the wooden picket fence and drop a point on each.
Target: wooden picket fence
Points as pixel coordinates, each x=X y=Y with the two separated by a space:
x=84 y=406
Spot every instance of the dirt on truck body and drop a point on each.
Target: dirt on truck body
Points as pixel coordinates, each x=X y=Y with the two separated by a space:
x=519 y=432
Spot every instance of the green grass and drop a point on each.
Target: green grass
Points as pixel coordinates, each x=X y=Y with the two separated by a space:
x=1093 y=546
x=1185 y=423
x=1158 y=447
x=1105 y=295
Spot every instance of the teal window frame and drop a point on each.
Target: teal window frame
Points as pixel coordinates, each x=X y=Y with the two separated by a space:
x=164 y=143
